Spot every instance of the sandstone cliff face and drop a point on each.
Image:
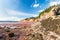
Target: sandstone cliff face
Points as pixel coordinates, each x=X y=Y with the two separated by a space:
x=48 y=28
x=30 y=20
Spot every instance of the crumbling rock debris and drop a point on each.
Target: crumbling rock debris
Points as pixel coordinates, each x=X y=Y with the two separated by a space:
x=48 y=28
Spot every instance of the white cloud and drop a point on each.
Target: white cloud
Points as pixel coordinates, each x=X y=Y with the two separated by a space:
x=36 y=5
x=12 y=15
x=16 y=13
x=5 y=17
x=54 y=3
x=10 y=18
x=40 y=10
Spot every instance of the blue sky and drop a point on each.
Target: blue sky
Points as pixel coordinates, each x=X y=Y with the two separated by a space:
x=15 y=10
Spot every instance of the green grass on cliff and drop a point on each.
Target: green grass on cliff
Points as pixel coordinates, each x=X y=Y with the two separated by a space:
x=47 y=10
x=30 y=18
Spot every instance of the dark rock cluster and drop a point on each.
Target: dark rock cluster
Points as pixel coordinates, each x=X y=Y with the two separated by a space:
x=57 y=11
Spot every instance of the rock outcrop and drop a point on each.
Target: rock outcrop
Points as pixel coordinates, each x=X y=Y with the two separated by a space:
x=48 y=28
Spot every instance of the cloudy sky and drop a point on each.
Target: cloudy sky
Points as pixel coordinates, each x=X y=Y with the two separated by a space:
x=15 y=10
